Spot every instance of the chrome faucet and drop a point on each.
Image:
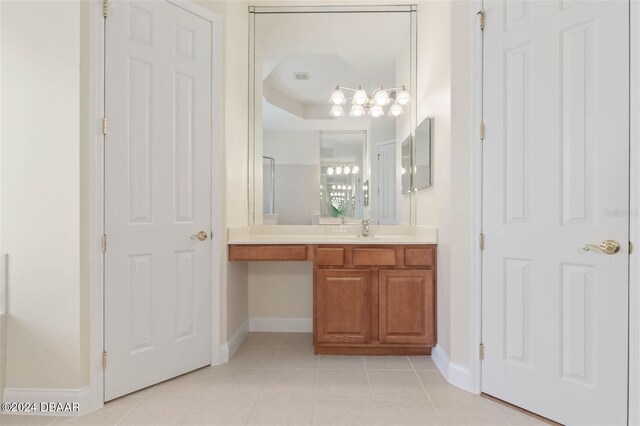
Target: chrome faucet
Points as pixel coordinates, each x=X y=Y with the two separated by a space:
x=365 y=227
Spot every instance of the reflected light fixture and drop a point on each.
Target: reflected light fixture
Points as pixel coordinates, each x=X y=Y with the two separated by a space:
x=357 y=110
x=396 y=109
x=376 y=111
x=337 y=97
x=361 y=102
x=336 y=111
x=343 y=169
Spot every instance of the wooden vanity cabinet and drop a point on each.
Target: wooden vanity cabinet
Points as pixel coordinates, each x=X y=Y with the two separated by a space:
x=343 y=306
x=372 y=300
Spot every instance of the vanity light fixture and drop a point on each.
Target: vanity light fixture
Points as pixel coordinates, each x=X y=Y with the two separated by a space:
x=357 y=110
x=395 y=110
x=336 y=111
x=376 y=111
x=361 y=102
x=337 y=96
x=343 y=169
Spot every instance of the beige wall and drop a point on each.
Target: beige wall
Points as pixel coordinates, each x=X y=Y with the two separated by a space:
x=41 y=179
x=234 y=276
x=445 y=64
x=281 y=289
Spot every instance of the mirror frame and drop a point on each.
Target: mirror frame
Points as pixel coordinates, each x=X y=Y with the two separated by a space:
x=251 y=148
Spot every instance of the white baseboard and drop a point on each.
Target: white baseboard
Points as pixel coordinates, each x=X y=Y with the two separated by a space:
x=287 y=325
x=81 y=397
x=454 y=373
x=228 y=349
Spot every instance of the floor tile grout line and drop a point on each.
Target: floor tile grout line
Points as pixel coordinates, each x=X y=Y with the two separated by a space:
x=129 y=411
x=315 y=393
x=366 y=373
x=435 y=409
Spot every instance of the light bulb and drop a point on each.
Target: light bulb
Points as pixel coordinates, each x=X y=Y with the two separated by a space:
x=336 y=111
x=403 y=97
x=333 y=187
x=403 y=171
x=330 y=171
x=344 y=187
x=376 y=111
x=360 y=97
x=381 y=97
x=357 y=110
x=338 y=170
x=337 y=97
x=355 y=170
x=346 y=170
x=349 y=187
x=395 y=110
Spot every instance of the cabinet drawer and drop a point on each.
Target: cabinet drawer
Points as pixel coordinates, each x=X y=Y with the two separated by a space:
x=374 y=256
x=330 y=257
x=268 y=252
x=418 y=257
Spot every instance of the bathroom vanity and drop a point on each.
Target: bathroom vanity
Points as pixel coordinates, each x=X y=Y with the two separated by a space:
x=316 y=172
x=371 y=296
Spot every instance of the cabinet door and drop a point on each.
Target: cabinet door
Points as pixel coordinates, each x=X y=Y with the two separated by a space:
x=407 y=306
x=343 y=306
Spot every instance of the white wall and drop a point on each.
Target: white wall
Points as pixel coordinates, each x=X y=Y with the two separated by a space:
x=292 y=146
x=41 y=193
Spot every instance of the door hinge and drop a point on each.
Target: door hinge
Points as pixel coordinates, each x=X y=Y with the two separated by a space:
x=481 y=351
x=104 y=126
x=103 y=243
x=105 y=8
x=482 y=131
x=481 y=241
x=104 y=360
x=481 y=15
x=630 y=247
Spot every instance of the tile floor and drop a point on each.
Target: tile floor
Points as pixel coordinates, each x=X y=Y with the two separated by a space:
x=275 y=379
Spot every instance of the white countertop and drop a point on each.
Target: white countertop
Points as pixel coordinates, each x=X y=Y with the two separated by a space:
x=331 y=234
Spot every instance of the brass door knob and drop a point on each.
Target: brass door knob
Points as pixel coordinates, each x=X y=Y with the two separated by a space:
x=202 y=235
x=607 y=247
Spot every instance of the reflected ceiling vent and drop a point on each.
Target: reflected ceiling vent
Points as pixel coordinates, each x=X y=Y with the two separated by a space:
x=301 y=76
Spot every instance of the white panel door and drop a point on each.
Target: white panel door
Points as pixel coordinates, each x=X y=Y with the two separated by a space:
x=556 y=177
x=387 y=183
x=158 y=194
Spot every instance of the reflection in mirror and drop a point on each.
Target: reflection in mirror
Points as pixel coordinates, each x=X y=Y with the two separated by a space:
x=422 y=175
x=269 y=189
x=406 y=166
x=341 y=185
x=331 y=106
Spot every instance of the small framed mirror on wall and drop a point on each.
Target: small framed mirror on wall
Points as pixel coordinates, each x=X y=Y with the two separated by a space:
x=331 y=110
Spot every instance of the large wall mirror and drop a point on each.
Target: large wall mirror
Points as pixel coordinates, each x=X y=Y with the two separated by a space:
x=332 y=109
